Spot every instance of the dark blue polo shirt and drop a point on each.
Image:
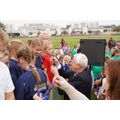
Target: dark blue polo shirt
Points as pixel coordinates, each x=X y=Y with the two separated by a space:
x=38 y=62
x=26 y=84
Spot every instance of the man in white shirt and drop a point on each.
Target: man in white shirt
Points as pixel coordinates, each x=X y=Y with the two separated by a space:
x=6 y=84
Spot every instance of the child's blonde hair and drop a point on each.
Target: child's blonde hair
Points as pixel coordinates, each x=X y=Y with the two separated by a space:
x=67 y=59
x=36 y=42
x=44 y=36
x=26 y=53
x=4 y=37
x=46 y=44
x=14 y=45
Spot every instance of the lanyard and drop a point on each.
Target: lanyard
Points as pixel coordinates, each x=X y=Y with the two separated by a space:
x=45 y=97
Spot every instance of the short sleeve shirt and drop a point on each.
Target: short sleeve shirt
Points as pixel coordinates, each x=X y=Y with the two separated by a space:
x=6 y=84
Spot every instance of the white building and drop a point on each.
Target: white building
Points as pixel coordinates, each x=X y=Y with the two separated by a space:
x=85 y=30
x=59 y=31
x=34 y=29
x=12 y=29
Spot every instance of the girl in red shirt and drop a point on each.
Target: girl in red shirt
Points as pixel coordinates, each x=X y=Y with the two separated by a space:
x=47 y=59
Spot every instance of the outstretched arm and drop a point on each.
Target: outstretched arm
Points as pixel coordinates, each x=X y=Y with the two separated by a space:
x=70 y=90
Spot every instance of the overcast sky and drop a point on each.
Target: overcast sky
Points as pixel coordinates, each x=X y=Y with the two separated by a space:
x=60 y=12
x=60 y=22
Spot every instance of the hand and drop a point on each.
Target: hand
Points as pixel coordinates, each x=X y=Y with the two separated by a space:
x=55 y=61
x=54 y=70
x=60 y=82
x=36 y=97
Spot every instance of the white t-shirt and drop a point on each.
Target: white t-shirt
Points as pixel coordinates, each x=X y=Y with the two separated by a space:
x=6 y=84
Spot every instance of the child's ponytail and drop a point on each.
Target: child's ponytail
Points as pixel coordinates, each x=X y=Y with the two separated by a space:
x=36 y=75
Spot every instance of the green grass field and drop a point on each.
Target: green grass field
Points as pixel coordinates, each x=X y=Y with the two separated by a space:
x=75 y=40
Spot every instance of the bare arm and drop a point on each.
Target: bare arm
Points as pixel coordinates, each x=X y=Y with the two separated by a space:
x=54 y=70
x=74 y=94
x=9 y=96
x=70 y=90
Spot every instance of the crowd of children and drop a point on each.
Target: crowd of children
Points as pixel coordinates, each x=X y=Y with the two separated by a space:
x=32 y=66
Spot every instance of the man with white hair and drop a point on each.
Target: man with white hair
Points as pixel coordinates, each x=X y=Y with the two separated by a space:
x=80 y=76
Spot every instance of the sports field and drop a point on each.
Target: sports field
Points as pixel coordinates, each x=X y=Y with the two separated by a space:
x=75 y=40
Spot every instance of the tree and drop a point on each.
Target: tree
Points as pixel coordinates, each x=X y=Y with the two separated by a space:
x=2 y=26
x=38 y=33
x=67 y=27
x=89 y=31
x=64 y=32
x=105 y=30
x=30 y=33
x=117 y=29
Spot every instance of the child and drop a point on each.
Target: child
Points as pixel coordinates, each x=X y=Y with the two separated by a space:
x=4 y=56
x=32 y=80
x=60 y=49
x=47 y=59
x=48 y=63
x=65 y=48
x=66 y=61
x=29 y=43
x=14 y=68
x=74 y=51
x=116 y=54
x=44 y=36
x=6 y=84
x=37 y=50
